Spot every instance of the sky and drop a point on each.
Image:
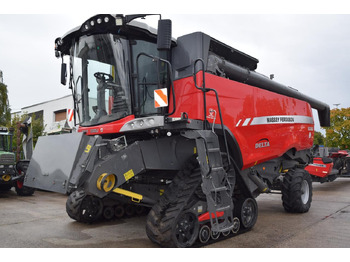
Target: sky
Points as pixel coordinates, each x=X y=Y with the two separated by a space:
x=305 y=47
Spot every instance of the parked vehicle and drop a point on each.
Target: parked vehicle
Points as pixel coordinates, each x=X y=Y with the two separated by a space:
x=11 y=172
x=183 y=126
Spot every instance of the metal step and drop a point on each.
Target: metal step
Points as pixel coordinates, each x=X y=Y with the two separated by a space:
x=219 y=189
x=223 y=208
x=214 y=150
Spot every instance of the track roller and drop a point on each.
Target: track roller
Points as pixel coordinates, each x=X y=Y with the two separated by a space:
x=226 y=233
x=108 y=212
x=140 y=210
x=214 y=235
x=130 y=210
x=119 y=211
x=236 y=225
x=204 y=234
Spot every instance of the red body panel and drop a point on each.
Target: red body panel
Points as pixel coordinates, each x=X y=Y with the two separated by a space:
x=108 y=128
x=265 y=124
x=319 y=168
x=205 y=216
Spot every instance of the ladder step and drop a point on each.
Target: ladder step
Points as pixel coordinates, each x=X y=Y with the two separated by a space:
x=213 y=150
x=217 y=169
x=223 y=208
x=219 y=189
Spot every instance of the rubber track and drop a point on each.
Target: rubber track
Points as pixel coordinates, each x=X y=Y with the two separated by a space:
x=177 y=198
x=73 y=204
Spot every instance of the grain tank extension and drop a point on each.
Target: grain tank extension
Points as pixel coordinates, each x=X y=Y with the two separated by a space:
x=183 y=128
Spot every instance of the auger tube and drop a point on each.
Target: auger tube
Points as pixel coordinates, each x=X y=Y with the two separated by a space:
x=240 y=74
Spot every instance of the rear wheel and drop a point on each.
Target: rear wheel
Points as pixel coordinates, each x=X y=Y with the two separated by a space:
x=297 y=191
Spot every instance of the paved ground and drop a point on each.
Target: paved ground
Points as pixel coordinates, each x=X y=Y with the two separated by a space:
x=41 y=221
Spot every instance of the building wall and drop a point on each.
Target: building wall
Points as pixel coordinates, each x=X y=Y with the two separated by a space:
x=52 y=110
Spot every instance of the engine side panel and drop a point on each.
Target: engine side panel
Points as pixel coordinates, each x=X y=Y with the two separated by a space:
x=265 y=124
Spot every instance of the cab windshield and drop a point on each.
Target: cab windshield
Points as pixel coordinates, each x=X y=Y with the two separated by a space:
x=4 y=146
x=100 y=79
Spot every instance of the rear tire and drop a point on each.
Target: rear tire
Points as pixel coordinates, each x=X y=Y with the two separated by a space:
x=297 y=191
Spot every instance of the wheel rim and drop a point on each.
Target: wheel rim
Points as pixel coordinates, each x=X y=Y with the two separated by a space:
x=248 y=213
x=305 y=191
x=186 y=230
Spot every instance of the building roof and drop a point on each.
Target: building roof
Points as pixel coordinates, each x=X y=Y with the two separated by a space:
x=46 y=102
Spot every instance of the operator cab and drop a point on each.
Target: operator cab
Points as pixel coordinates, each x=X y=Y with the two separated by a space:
x=114 y=69
x=5 y=139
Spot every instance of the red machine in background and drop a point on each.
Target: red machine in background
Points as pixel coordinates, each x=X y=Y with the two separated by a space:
x=329 y=164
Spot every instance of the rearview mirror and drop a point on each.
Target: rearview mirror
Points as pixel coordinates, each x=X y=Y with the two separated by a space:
x=63 y=74
x=164 y=34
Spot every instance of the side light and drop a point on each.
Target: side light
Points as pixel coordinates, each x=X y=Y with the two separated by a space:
x=143 y=123
x=118 y=21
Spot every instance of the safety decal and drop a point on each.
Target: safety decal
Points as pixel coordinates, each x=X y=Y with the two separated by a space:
x=129 y=175
x=160 y=98
x=269 y=120
x=70 y=114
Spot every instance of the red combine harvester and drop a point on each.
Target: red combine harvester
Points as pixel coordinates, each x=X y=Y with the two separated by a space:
x=183 y=126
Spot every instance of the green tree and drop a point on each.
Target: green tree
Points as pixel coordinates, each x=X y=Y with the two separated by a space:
x=319 y=139
x=338 y=134
x=5 y=111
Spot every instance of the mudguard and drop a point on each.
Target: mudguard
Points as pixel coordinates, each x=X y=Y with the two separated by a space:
x=54 y=159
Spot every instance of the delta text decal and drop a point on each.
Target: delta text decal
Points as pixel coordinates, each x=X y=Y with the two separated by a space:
x=262 y=143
